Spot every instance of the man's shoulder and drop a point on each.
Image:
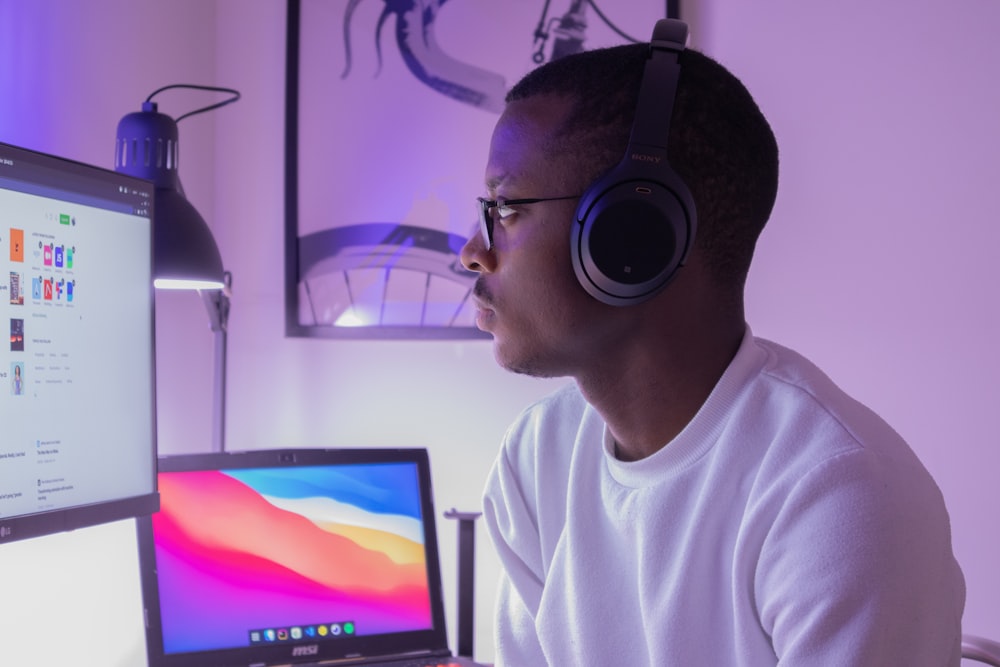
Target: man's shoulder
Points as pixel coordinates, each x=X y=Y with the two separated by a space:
x=796 y=389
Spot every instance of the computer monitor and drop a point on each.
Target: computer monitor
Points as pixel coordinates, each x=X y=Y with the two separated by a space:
x=77 y=415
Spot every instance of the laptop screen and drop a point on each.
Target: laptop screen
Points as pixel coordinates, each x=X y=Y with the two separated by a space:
x=292 y=555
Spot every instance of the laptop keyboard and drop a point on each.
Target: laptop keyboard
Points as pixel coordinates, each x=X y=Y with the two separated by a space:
x=430 y=662
x=424 y=662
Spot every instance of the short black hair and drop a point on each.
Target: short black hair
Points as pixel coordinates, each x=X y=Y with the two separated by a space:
x=719 y=141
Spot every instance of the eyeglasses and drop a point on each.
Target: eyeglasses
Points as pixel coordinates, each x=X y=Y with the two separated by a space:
x=504 y=210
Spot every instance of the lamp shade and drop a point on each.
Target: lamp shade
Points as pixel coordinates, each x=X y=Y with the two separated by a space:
x=185 y=254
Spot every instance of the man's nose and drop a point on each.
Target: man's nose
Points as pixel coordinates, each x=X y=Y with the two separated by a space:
x=474 y=255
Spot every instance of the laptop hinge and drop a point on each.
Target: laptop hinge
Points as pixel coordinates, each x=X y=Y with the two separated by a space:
x=358 y=659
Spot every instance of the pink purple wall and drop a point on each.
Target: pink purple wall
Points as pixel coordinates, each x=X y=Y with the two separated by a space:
x=878 y=262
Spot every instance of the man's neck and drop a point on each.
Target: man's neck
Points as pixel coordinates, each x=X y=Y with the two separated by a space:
x=647 y=397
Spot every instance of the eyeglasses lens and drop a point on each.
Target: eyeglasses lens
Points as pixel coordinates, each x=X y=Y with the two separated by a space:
x=486 y=221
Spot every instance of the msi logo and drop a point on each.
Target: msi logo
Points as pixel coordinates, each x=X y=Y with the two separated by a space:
x=309 y=649
x=5 y=531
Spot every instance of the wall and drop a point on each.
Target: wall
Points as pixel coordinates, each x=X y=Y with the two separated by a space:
x=876 y=262
x=880 y=260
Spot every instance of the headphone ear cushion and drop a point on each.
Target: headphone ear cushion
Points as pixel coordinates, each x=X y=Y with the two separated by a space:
x=629 y=241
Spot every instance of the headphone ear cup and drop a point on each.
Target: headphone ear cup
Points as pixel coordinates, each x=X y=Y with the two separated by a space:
x=629 y=241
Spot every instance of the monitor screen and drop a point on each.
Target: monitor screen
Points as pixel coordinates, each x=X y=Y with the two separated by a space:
x=78 y=443
x=274 y=557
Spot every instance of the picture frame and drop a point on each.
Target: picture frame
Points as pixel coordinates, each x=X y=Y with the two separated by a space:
x=389 y=110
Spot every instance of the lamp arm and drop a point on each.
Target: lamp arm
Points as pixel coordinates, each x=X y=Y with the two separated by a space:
x=217 y=304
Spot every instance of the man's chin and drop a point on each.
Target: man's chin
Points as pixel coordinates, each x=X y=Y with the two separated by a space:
x=520 y=364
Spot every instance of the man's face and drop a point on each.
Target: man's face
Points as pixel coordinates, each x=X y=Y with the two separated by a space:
x=543 y=323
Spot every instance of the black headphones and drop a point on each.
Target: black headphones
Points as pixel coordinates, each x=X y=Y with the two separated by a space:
x=635 y=225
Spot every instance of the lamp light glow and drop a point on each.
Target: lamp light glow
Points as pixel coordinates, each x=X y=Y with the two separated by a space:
x=185 y=284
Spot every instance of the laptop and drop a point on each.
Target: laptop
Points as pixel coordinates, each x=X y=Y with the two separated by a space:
x=294 y=557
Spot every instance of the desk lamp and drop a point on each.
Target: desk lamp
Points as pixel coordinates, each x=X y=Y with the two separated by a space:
x=185 y=255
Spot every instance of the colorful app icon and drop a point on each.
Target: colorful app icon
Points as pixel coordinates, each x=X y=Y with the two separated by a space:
x=69 y=257
x=36 y=288
x=335 y=629
x=16 y=289
x=282 y=634
x=16 y=245
x=47 y=289
x=47 y=254
x=296 y=633
x=254 y=637
x=59 y=289
x=348 y=628
x=59 y=256
x=321 y=631
x=269 y=635
x=69 y=290
x=311 y=631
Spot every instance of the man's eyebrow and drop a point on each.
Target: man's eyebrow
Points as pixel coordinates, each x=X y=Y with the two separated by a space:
x=493 y=183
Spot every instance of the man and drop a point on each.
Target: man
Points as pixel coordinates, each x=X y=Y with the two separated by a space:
x=697 y=496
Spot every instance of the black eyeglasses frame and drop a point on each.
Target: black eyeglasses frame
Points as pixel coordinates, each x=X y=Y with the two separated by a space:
x=486 y=219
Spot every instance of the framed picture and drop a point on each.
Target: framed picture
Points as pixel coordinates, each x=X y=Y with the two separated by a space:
x=389 y=110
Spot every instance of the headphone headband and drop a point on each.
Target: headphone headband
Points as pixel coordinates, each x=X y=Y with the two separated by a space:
x=656 y=101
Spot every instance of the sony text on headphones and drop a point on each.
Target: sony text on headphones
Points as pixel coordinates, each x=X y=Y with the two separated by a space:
x=635 y=225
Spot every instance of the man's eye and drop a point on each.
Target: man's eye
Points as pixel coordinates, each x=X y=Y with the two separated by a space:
x=504 y=211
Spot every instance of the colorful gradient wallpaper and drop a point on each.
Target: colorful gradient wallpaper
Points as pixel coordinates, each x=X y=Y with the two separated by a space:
x=245 y=550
